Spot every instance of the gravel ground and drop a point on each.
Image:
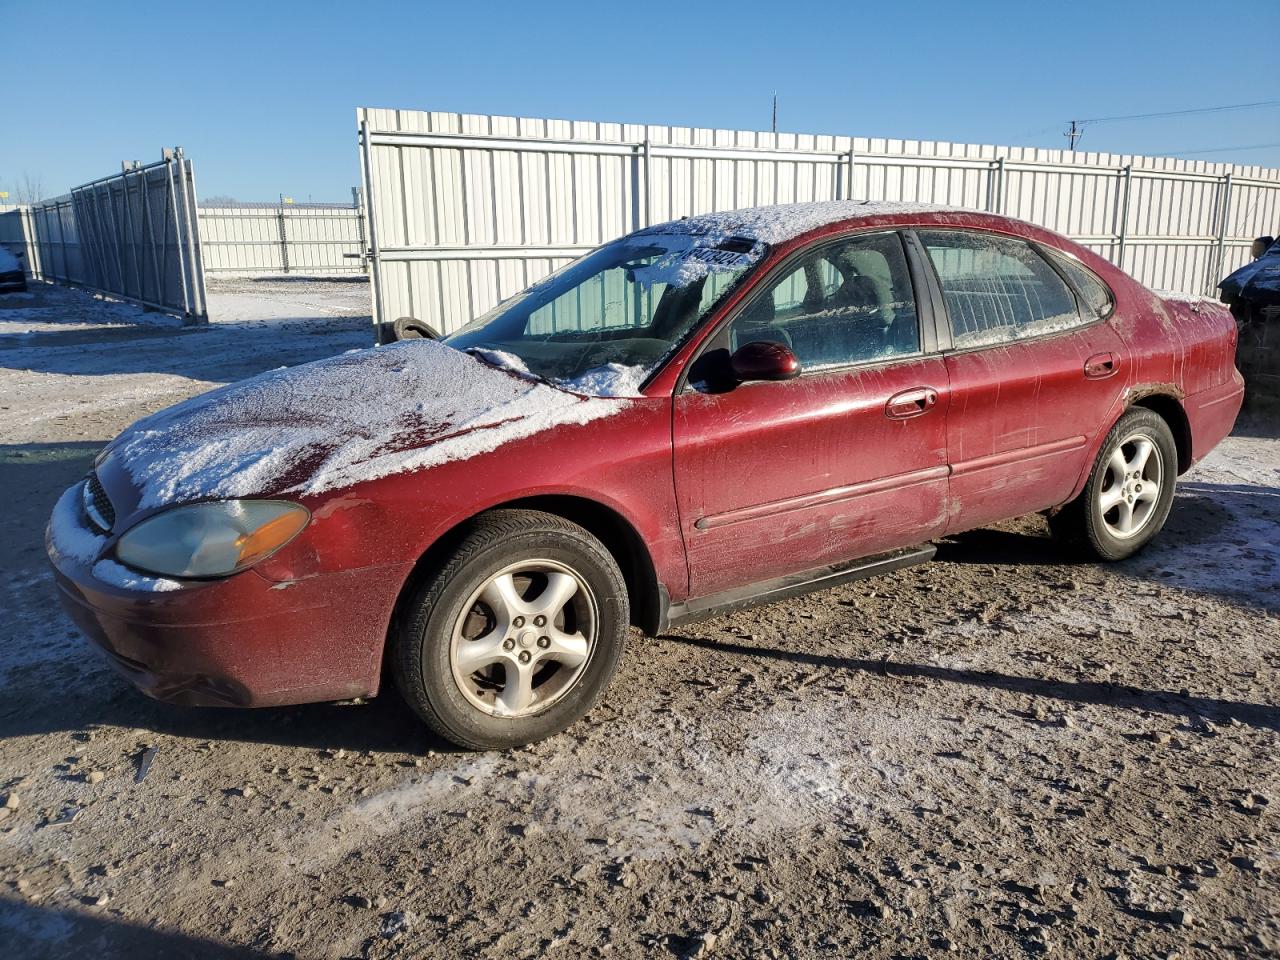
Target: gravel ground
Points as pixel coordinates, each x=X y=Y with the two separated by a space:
x=997 y=754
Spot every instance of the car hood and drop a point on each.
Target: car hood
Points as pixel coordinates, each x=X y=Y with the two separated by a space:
x=1257 y=282
x=339 y=421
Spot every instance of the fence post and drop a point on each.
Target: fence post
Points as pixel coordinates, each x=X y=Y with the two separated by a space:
x=357 y=204
x=648 y=192
x=1211 y=286
x=284 y=237
x=851 y=166
x=187 y=179
x=1123 y=232
x=177 y=236
x=366 y=181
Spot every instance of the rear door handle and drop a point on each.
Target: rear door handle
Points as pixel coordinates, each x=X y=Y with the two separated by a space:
x=910 y=403
x=1100 y=366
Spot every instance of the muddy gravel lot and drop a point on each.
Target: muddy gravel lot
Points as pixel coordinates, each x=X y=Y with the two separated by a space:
x=1001 y=753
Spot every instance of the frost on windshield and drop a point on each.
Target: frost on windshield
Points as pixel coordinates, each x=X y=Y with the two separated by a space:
x=690 y=258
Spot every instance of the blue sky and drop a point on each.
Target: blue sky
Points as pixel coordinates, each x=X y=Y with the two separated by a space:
x=262 y=95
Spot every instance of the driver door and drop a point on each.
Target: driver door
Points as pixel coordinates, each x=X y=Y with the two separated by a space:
x=845 y=461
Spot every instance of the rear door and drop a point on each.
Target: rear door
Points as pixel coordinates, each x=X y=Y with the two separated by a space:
x=845 y=461
x=1034 y=371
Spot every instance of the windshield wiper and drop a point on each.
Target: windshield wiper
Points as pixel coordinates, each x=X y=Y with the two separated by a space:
x=490 y=356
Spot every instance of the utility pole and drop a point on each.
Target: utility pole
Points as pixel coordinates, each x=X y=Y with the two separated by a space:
x=774 y=128
x=1074 y=133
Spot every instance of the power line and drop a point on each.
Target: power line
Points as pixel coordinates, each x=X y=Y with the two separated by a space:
x=1185 y=113
x=1075 y=128
x=1252 y=146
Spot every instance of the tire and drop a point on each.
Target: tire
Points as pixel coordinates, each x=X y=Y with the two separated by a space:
x=496 y=603
x=1112 y=519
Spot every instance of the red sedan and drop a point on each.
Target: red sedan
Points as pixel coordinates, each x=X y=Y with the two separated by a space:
x=701 y=415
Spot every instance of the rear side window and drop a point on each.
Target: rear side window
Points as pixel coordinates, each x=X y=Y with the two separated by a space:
x=1097 y=295
x=998 y=289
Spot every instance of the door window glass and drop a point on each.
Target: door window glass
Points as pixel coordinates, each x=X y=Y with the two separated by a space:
x=998 y=288
x=843 y=303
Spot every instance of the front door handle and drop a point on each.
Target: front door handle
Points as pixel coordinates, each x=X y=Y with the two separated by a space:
x=910 y=403
x=1100 y=366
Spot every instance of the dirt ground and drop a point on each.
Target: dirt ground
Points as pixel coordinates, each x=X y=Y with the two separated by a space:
x=997 y=754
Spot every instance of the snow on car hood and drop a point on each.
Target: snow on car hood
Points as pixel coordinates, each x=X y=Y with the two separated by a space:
x=339 y=421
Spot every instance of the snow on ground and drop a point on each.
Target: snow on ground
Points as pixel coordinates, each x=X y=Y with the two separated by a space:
x=1001 y=753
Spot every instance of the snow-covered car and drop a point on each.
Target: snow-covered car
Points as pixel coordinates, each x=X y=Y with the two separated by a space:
x=704 y=414
x=12 y=276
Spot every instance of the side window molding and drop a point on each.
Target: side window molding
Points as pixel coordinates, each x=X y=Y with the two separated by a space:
x=935 y=329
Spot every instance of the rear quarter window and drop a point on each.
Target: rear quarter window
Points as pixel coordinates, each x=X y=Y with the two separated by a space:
x=998 y=289
x=1097 y=296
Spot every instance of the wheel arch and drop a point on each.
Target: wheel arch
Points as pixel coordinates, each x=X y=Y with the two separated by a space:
x=608 y=526
x=1169 y=408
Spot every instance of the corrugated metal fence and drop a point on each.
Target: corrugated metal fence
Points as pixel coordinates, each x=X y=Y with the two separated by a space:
x=132 y=235
x=466 y=210
x=312 y=239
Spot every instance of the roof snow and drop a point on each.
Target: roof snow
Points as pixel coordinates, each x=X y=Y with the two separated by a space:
x=777 y=224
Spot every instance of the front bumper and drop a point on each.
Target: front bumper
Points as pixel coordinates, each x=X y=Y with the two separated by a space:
x=243 y=641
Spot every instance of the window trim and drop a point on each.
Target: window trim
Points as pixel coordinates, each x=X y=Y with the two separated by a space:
x=926 y=316
x=952 y=349
x=1048 y=253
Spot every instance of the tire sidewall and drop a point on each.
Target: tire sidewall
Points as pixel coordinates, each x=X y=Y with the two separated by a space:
x=1101 y=539
x=434 y=672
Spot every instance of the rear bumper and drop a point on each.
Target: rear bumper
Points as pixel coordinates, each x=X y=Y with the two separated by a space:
x=1212 y=414
x=244 y=641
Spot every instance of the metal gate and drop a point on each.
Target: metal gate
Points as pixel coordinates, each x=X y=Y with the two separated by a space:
x=465 y=210
x=133 y=235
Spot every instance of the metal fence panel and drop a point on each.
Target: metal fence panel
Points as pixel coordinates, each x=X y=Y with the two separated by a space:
x=464 y=210
x=317 y=239
x=132 y=235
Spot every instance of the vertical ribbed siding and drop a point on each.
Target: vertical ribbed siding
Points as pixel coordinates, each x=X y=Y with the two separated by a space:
x=464 y=226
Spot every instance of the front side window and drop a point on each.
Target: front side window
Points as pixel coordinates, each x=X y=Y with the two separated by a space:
x=997 y=288
x=846 y=302
x=615 y=313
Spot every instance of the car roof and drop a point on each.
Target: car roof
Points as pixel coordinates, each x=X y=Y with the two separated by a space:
x=782 y=222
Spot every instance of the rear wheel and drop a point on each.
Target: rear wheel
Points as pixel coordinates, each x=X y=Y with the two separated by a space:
x=517 y=635
x=1129 y=493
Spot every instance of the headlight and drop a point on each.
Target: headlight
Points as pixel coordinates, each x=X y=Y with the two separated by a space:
x=211 y=539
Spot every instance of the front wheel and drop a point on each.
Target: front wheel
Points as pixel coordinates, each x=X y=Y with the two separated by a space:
x=516 y=636
x=1129 y=493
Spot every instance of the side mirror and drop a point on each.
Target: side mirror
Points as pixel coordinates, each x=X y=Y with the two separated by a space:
x=764 y=360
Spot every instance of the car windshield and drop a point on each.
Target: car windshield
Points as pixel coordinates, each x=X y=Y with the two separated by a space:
x=602 y=324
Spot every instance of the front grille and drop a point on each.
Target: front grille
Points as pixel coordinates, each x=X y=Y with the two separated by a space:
x=97 y=505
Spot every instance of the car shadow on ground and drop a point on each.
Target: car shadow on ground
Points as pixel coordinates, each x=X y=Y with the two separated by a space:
x=34 y=932
x=1193 y=708
x=1214 y=542
x=384 y=724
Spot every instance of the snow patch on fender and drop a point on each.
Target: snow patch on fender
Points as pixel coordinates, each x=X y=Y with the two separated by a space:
x=340 y=421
